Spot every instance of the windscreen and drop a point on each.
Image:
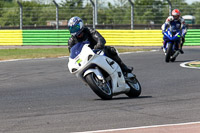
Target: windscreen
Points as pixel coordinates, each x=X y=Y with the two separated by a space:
x=76 y=49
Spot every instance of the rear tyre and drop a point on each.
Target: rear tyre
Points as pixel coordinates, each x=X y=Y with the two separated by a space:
x=175 y=54
x=168 y=54
x=173 y=59
x=135 y=87
x=102 y=89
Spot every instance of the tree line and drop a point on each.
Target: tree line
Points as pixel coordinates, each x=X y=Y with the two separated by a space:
x=37 y=12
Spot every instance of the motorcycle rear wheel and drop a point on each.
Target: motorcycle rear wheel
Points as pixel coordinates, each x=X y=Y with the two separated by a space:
x=135 y=87
x=103 y=90
x=173 y=59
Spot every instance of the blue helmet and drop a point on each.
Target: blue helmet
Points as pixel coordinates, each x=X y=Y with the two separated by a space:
x=75 y=25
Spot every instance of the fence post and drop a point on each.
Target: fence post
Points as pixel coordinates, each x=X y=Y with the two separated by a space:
x=132 y=14
x=93 y=6
x=170 y=7
x=57 y=17
x=21 y=14
x=96 y=11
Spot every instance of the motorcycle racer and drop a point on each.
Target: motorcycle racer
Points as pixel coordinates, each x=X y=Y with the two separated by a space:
x=178 y=23
x=80 y=33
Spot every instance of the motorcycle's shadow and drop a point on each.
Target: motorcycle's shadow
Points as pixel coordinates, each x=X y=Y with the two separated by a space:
x=178 y=60
x=181 y=61
x=126 y=98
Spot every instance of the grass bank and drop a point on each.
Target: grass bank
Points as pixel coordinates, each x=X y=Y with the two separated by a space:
x=7 y=54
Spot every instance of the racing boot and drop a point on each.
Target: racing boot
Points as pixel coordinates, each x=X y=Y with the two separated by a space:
x=125 y=68
x=180 y=49
x=111 y=52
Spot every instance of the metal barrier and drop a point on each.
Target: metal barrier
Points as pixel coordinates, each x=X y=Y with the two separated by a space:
x=11 y=37
x=192 y=37
x=113 y=37
x=45 y=37
x=133 y=37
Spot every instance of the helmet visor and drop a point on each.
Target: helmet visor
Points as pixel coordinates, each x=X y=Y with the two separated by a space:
x=176 y=17
x=74 y=29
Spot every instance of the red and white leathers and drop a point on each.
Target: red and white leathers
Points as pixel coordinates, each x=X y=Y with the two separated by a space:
x=179 y=24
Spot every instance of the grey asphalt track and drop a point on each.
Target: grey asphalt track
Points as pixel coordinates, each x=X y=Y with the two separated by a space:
x=41 y=96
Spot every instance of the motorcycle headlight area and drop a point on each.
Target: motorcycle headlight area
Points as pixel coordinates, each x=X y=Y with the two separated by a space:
x=74 y=70
x=79 y=63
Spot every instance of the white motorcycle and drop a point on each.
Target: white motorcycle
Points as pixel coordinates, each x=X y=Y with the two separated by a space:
x=103 y=75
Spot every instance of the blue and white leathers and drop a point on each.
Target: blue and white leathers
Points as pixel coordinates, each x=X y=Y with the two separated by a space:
x=178 y=25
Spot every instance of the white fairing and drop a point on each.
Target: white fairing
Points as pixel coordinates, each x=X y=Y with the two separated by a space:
x=80 y=66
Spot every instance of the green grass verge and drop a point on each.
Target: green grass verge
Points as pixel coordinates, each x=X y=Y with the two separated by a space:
x=7 y=54
x=194 y=65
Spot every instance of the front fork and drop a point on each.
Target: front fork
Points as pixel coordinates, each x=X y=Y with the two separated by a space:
x=165 y=46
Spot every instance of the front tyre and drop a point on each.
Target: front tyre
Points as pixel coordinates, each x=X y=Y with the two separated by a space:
x=135 y=87
x=168 y=54
x=101 y=88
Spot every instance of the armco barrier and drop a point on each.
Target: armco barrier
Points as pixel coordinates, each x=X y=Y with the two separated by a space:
x=192 y=37
x=10 y=37
x=113 y=37
x=45 y=37
x=133 y=37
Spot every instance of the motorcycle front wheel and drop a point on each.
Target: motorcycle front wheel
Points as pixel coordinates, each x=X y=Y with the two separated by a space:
x=135 y=87
x=101 y=88
x=168 y=54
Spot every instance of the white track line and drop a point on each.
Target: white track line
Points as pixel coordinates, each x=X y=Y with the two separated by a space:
x=63 y=57
x=22 y=59
x=142 y=127
x=138 y=52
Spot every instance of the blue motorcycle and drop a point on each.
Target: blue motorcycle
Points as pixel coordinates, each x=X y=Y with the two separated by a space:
x=172 y=37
